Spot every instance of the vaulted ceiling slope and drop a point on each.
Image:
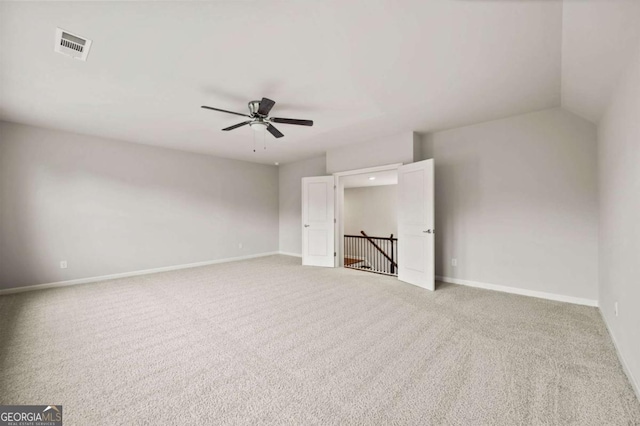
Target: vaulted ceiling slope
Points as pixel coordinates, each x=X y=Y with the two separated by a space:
x=359 y=69
x=598 y=40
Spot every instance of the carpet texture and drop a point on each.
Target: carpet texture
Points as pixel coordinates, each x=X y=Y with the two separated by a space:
x=266 y=341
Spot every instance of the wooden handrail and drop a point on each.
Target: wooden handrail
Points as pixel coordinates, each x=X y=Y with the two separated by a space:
x=360 y=236
x=379 y=249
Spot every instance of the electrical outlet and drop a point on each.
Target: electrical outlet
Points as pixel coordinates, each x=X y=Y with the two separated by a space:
x=615 y=308
x=63 y=264
x=239 y=245
x=454 y=262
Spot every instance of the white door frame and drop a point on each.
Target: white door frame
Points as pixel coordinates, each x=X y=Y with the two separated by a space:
x=339 y=205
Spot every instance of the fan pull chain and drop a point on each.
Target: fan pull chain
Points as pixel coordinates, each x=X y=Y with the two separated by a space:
x=264 y=139
x=254 y=141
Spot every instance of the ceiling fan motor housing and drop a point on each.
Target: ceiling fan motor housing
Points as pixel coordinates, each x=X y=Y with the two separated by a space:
x=253 y=107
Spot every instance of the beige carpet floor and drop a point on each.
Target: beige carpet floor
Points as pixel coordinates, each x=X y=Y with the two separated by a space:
x=267 y=341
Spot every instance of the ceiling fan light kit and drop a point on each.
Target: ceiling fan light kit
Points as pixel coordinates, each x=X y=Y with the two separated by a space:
x=258 y=126
x=259 y=119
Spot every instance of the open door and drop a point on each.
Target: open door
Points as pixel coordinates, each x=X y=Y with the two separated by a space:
x=318 y=197
x=416 y=263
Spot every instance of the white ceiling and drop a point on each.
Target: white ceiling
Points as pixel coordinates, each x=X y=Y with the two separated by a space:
x=387 y=177
x=598 y=40
x=359 y=69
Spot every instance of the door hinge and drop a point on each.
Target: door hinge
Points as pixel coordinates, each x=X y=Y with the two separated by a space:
x=334 y=187
x=334 y=254
x=334 y=220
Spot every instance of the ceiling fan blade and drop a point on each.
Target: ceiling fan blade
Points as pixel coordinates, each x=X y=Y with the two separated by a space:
x=235 y=126
x=265 y=106
x=224 y=110
x=275 y=132
x=293 y=121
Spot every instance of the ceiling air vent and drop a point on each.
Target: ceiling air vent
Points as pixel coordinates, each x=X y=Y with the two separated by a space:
x=72 y=45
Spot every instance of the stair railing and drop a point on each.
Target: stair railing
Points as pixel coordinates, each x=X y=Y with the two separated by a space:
x=374 y=254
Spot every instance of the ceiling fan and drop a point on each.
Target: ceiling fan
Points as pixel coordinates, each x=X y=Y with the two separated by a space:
x=259 y=118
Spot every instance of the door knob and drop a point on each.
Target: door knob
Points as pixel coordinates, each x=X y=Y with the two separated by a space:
x=306 y=226
x=428 y=231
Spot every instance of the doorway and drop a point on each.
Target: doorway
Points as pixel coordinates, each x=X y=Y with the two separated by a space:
x=370 y=219
x=323 y=226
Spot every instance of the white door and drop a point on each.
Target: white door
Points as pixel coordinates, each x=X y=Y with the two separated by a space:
x=416 y=263
x=318 y=195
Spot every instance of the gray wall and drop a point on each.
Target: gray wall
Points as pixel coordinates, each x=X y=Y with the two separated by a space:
x=372 y=209
x=619 y=186
x=516 y=203
x=111 y=207
x=290 y=177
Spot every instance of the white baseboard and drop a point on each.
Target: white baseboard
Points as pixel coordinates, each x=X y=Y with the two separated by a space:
x=289 y=254
x=520 y=291
x=129 y=274
x=634 y=383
